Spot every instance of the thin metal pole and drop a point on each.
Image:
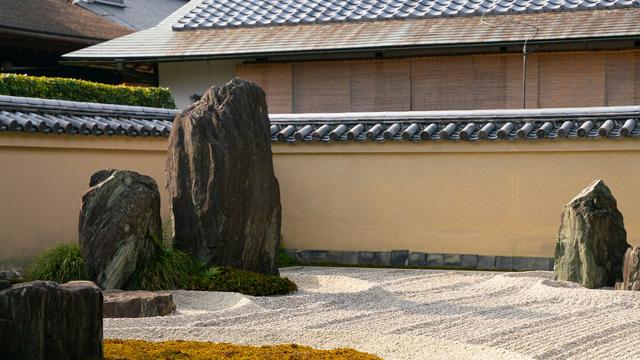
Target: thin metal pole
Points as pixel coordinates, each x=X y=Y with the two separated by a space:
x=524 y=76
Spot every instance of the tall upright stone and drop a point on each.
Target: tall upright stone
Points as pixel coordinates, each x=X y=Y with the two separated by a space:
x=592 y=240
x=224 y=196
x=120 y=225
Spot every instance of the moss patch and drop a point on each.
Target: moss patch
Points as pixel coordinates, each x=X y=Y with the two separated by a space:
x=143 y=350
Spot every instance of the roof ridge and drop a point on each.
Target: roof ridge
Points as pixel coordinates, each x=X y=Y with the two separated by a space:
x=463 y=115
x=82 y=108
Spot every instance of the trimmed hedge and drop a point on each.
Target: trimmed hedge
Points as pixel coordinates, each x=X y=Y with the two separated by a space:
x=245 y=282
x=85 y=91
x=151 y=350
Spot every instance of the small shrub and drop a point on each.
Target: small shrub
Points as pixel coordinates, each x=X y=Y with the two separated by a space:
x=61 y=263
x=86 y=91
x=284 y=259
x=143 y=350
x=168 y=270
x=245 y=282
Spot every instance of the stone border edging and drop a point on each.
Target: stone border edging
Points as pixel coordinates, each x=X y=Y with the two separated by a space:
x=407 y=259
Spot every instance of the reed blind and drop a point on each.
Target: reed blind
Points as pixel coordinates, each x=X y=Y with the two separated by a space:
x=462 y=82
x=276 y=81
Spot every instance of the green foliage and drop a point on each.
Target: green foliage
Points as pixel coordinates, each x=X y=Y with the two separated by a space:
x=86 y=91
x=284 y=259
x=61 y=263
x=245 y=282
x=168 y=270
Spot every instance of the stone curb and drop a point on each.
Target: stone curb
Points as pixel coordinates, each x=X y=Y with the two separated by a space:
x=407 y=259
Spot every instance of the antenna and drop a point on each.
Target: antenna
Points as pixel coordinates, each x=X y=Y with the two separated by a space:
x=525 y=51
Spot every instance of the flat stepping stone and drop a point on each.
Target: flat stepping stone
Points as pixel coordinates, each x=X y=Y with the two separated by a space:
x=135 y=304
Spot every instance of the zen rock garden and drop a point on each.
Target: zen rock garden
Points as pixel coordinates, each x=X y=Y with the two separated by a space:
x=223 y=237
x=219 y=224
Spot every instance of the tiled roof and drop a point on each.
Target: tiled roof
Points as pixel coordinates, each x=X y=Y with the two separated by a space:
x=19 y=114
x=234 y=13
x=530 y=124
x=31 y=115
x=136 y=14
x=161 y=43
x=59 y=18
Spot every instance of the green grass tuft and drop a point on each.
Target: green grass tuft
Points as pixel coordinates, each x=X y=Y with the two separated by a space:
x=168 y=270
x=61 y=263
x=284 y=259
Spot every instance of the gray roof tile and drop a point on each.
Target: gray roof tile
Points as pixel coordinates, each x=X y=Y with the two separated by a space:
x=30 y=115
x=33 y=115
x=509 y=125
x=243 y=13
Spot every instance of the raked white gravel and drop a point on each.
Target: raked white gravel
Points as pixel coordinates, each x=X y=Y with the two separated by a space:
x=411 y=314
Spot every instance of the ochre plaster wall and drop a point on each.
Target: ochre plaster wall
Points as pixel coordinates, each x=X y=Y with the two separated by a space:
x=489 y=198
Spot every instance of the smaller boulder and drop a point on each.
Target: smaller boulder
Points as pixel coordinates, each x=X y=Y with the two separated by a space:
x=120 y=225
x=135 y=304
x=592 y=240
x=630 y=271
x=45 y=320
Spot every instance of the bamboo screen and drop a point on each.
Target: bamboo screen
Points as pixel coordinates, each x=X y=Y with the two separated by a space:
x=450 y=82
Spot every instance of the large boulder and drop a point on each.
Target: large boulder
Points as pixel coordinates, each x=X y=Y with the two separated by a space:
x=630 y=270
x=120 y=225
x=135 y=304
x=224 y=196
x=592 y=240
x=43 y=320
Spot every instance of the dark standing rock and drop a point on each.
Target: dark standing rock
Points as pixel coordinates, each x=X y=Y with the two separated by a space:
x=592 y=240
x=630 y=270
x=225 y=198
x=43 y=320
x=5 y=284
x=119 y=225
x=135 y=304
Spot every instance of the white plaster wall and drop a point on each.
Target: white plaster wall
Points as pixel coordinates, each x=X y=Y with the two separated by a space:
x=189 y=77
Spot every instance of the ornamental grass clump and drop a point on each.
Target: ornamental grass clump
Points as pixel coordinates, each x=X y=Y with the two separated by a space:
x=147 y=350
x=61 y=263
x=168 y=270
